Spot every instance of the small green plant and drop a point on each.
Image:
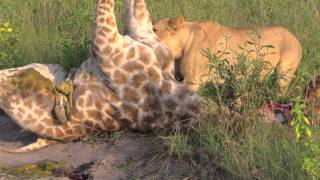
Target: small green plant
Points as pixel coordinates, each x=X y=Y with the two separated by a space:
x=9 y=37
x=304 y=135
x=109 y=137
x=300 y=122
x=243 y=86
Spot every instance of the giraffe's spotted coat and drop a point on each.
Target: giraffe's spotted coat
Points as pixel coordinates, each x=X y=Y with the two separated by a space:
x=123 y=84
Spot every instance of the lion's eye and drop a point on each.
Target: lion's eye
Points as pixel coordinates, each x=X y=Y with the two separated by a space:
x=154 y=30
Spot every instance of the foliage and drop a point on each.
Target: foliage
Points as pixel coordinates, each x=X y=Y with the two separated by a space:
x=9 y=38
x=238 y=141
x=246 y=85
x=303 y=134
x=300 y=122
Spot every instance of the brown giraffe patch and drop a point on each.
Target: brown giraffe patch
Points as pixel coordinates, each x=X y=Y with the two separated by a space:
x=101 y=13
x=49 y=132
x=131 y=111
x=139 y=79
x=109 y=3
x=116 y=51
x=39 y=113
x=113 y=112
x=108 y=124
x=150 y=88
x=30 y=116
x=144 y=55
x=183 y=92
x=15 y=101
x=153 y=74
x=21 y=110
x=131 y=53
x=39 y=99
x=79 y=115
x=25 y=93
x=26 y=84
x=37 y=87
x=166 y=87
x=171 y=104
x=104 y=8
x=106 y=30
x=119 y=77
x=47 y=121
x=130 y=95
x=40 y=127
x=99 y=127
x=101 y=20
x=99 y=102
x=94 y=87
x=107 y=50
x=152 y=103
x=132 y=66
x=99 y=41
x=107 y=65
x=94 y=114
x=102 y=34
x=78 y=130
x=113 y=97
x=69 y=132
x=118 y=59
x=59 y=132
x=89 y=123
x=164 y=58
x=30 y=121
x=19 y=115
x=110 y=21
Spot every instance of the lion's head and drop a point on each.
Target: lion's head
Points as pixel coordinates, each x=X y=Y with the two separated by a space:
x=172 y=33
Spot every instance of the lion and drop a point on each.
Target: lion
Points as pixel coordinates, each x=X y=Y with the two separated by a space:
x=187 y=40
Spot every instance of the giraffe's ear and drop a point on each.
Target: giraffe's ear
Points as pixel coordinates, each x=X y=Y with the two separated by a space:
x=177 y=22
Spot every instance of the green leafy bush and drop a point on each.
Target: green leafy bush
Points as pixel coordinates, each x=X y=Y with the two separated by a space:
x=304 y=135
x=237 y=141
x=9 y=38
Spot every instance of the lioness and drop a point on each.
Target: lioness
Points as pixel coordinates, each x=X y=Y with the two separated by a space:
x=188 y=39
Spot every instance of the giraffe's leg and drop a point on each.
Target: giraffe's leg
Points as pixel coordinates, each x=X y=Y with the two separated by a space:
x=138 y=26
x=106 y=37
x=138 y=22
x=39 y=144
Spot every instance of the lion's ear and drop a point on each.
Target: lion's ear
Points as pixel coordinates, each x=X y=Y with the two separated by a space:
x=177 y=22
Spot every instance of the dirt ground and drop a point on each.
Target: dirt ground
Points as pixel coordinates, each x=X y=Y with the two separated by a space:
x=132 y=156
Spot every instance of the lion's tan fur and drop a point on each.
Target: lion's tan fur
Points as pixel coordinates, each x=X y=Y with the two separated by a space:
x=188 y=39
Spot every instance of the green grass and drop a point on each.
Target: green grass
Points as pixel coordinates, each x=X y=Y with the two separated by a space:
x=57 y=31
